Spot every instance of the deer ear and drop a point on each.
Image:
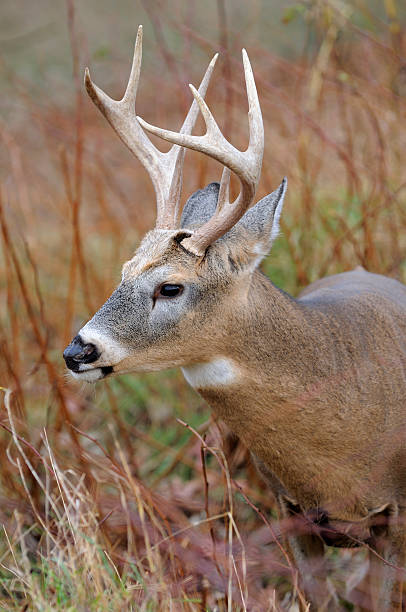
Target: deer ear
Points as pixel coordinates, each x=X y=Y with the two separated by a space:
x=262 y=220
x=200 y=207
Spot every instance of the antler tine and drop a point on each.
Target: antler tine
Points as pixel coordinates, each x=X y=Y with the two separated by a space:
x=245 y=164
x=224 y=191
x=256 y=126
x=130 y=95
x=177 y=153
x=164 y=169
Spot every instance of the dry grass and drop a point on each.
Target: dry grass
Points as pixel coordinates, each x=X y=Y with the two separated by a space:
x=107 y=501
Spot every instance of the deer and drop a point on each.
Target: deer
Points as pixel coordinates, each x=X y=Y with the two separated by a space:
x=315 y=386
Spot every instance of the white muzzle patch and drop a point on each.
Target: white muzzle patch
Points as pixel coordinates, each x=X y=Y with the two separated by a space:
x=110 y=351
x=92 y=375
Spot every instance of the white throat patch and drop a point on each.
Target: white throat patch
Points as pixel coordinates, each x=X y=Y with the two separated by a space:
x=216 y=373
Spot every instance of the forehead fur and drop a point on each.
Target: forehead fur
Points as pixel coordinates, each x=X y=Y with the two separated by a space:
x=155 y=249
x=230 y=254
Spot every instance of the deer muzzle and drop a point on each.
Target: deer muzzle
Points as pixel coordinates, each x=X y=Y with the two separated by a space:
x=78 y=353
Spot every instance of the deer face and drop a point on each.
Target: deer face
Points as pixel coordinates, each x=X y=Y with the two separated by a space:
x=155 y=318
x=180 y=282
x=164 y=313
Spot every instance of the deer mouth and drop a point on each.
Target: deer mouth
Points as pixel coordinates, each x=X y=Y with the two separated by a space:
x=92 y=375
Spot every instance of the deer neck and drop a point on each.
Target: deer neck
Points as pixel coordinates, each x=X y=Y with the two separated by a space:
x=262 y=341
x=259 y=385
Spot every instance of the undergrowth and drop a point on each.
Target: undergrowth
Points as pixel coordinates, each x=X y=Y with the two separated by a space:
x=130 y=496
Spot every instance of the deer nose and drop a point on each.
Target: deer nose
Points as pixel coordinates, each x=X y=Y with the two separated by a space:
x=77 y=352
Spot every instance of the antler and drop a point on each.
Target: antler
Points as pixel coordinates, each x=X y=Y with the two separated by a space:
x=245 y=164
x=165 y=169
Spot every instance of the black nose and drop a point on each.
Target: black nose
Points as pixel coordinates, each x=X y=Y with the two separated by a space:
x=78 y=352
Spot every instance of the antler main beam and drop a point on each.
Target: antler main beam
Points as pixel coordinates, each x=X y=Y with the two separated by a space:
x=245 y=164
x=165 y=169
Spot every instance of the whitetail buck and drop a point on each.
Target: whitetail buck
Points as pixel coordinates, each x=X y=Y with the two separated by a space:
x=314 y=386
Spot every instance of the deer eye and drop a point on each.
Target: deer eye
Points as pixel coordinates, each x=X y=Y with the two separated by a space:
x=170 y=291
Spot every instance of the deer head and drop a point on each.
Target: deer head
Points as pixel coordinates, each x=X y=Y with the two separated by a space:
x=188 y=273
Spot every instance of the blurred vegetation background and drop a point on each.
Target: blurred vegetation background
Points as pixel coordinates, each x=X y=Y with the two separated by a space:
x=129 y=495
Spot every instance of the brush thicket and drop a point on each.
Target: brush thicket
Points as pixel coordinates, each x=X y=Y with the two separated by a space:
x=107 y=500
